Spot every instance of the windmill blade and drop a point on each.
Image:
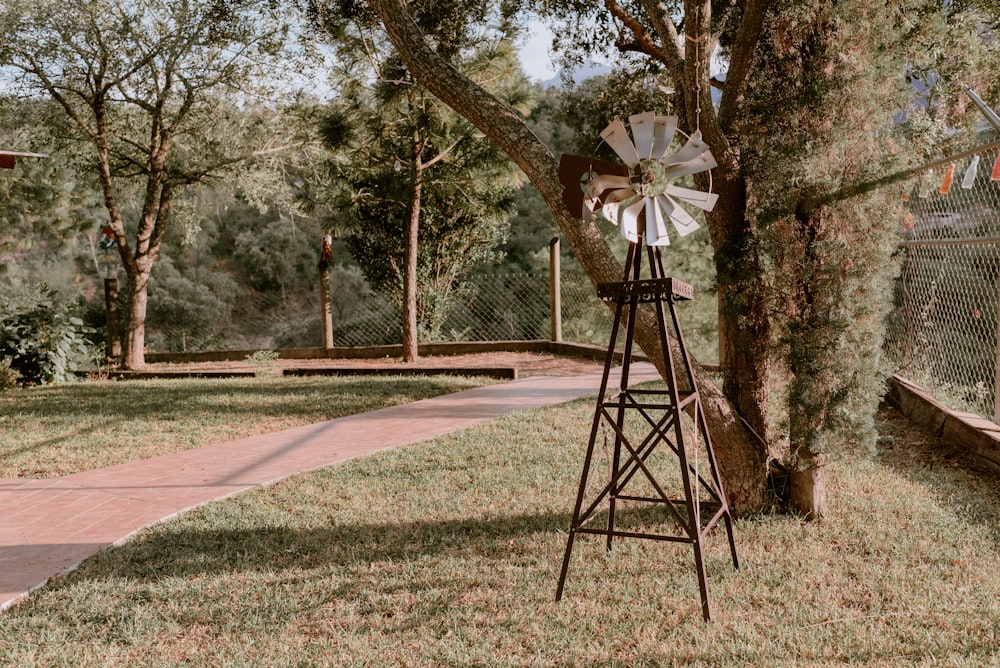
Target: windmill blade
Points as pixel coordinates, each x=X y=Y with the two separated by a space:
x=625 y=215
x=619 y=195
x=701 y=163
x=574 y=171
x=616 y=136
x=629 y=222
x=702 y=200
x=691 y=149
x=663 y=133
x=643 y=133
x=656 y=228
x=682 y=220
x=610 y=211
x=603 y=182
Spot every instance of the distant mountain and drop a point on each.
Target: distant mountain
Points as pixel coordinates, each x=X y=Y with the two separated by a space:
x=578 y=74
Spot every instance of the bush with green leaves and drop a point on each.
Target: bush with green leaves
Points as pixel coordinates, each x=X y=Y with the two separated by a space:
x=41 y=337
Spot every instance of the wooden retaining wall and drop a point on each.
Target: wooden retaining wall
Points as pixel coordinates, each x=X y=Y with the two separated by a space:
x=969 y=432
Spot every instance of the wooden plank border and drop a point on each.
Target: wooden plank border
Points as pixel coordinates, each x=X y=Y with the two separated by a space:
x=969 y=432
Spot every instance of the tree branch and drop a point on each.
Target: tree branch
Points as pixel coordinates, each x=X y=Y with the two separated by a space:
x=667 y=31
x=740 y=60
x=642 y=36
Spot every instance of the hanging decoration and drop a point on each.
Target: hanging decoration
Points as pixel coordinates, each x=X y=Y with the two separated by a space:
x=924 y=190
x=949 y=178
x=107 y=241
x=972 y=171
x=970 y=174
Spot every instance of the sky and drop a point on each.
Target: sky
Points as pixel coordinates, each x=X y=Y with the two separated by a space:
x=535 y=57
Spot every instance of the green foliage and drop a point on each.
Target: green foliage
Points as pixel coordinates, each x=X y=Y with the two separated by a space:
x=397 y=147
x=834 y=73
x=276 y=257
x=8 y=375
x=189 y=306
x=587 y=108
x=155 y=95
x=44 y=202
x=41 y=341
x=263 y=362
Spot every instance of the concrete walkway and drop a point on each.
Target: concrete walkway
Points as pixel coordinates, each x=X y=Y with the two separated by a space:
x=50 y=526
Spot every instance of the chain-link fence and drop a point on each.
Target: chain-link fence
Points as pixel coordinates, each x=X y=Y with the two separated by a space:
x=490 y=307
x=943 y=329
x=516 y=307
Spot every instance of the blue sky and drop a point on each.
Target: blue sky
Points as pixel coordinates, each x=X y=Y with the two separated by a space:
x=535 y=57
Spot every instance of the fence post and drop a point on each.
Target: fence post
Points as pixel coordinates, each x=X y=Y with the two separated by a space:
x=114 y=344
x=996 y=376
x=326 y=308
x=555 y=292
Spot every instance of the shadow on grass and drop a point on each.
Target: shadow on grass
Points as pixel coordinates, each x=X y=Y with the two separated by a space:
x=63 y=439
x=954 y=478
x=178 y=399
x=194 y=552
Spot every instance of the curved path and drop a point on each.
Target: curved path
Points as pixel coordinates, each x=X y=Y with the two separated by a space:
x=50 y=526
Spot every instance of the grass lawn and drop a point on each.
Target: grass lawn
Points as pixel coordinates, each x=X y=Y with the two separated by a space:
x=447 y=553
x=58 y=430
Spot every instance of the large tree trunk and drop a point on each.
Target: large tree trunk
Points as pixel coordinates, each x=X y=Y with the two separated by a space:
x=133 y=347
x=744 y=331
x=742 y=458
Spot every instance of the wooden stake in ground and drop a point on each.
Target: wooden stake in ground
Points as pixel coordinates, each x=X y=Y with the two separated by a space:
x=326 y=308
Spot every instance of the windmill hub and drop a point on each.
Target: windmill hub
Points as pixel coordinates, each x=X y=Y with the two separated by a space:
x=641 y=195
x=649 y=178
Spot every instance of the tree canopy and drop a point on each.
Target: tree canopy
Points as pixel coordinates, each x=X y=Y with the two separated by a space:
x=427 y=196
x=153 y=91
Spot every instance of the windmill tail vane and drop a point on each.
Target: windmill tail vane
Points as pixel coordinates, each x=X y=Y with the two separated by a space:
x=641 y=195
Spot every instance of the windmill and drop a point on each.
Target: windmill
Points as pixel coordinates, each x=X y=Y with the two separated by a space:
x=640 y=195
x=656 y=432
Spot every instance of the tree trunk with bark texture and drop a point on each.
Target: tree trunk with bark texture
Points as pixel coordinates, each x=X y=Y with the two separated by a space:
x=742 y=458
x=808 y=487
x=410 y=350
x=133 y=347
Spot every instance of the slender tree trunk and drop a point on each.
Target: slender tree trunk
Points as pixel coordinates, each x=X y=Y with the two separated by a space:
x=742 y=458
x=807 y=483
x=133 y=347
x=410 y=350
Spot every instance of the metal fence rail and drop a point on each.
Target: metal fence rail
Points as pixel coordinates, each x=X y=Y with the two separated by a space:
x=943 y=330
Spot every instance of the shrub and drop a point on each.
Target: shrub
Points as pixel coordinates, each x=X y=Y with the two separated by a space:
x=42 y=339
x=8 y=376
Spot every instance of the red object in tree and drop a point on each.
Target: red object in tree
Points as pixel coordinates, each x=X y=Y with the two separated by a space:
x=326 y=252
x=6 y=161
